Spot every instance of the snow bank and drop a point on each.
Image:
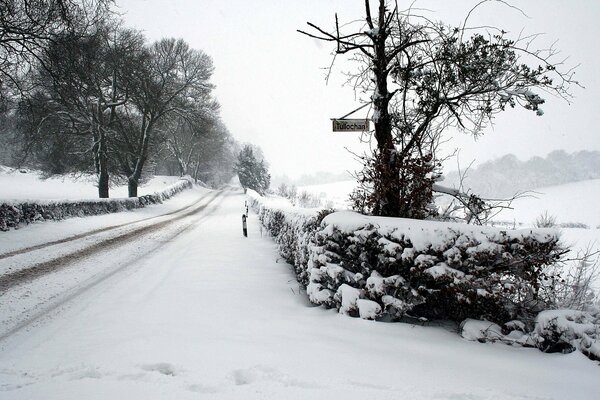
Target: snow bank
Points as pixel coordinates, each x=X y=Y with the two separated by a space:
x=14 y=213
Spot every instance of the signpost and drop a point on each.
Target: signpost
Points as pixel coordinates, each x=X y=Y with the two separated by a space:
x=350 y=125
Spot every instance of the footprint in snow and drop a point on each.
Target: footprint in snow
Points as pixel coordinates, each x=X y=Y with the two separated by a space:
x=263 y=373
x=162 y=368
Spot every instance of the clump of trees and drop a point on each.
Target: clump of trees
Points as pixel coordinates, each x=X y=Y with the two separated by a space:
x=252 y=170
x=424 y=77
x=82 y=93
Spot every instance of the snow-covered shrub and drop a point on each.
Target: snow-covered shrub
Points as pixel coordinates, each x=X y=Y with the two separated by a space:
x=545 y=220
x=432 y=269
x=575 y=289
x=555 y=331
x=428 y=269
x=9 y=216
x=292 y=229
x=14 y=214
x=308 y=200
x=564 y=330
x=579 y=225
x=481 y=331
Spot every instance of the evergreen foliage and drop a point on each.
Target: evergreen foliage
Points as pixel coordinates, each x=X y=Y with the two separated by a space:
x=252 y=171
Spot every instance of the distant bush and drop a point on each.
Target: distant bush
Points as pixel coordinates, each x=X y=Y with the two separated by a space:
x=579 y=225
x=545 y=220
x=303 y=199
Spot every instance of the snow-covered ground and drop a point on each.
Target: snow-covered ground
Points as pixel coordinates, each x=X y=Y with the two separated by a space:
x=569 y=203
x=201 y=311
x=337 y=193
x=30 y=184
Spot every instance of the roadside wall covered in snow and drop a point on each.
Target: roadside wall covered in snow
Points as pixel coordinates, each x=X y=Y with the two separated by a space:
x=15 y=213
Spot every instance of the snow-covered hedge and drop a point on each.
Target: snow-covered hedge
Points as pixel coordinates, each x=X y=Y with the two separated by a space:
x=431 y=269
x=292 y=228
x=392 y=267
x=12 y=214
x=555 y=331
x=494 y=281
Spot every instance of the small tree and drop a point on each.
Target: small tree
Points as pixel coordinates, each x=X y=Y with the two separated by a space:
x=424 y=77
x=252 y=172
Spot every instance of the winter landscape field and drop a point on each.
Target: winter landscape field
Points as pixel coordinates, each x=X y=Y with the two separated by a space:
x=196 y=309
x=333 y=199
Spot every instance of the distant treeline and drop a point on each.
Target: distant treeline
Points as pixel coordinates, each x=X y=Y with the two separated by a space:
x=507 y=175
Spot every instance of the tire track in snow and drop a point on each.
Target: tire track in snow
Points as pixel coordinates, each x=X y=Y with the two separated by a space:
x=11 y=279
x=57 y=301
x=93 y=232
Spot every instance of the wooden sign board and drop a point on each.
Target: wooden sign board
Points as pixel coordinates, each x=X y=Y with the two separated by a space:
x=350 y=125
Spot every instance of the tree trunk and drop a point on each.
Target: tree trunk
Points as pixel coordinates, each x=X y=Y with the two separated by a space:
x=142 y=156
x=387 y=174
x=100 y=155
x=132 y=186
x=103 y=168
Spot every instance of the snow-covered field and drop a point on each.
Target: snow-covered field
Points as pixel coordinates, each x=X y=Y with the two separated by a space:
x=192 y=308
x=337 y=193
x=569 y=203
x=209 y=313
x=17 y=185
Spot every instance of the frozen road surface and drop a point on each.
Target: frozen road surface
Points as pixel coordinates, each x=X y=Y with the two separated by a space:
x=177 y=304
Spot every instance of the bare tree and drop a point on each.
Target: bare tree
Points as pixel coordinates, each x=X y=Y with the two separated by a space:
x=27 y=26
x=424 y=77
x=174 y=81
x=184 y=136
x=84 y=82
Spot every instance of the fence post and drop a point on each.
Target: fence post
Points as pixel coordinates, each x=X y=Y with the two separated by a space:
x=244 y=227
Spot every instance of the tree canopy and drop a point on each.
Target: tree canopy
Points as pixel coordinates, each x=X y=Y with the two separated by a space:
x=252 y=171
x=423 y=77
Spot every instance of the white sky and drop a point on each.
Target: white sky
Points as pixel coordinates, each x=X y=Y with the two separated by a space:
x=272 y=89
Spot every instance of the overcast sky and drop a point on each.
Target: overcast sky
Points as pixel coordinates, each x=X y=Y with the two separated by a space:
x=270 y=79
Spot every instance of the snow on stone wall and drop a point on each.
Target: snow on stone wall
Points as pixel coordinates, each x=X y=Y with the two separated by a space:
x=13 y=214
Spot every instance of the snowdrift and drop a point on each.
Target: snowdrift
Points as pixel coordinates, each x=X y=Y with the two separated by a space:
x=12 y=214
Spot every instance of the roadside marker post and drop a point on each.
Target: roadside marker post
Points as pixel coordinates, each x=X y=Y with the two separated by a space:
x=244 y=227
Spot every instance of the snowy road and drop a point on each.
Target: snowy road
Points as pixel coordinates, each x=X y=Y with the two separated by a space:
x=195 y=310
